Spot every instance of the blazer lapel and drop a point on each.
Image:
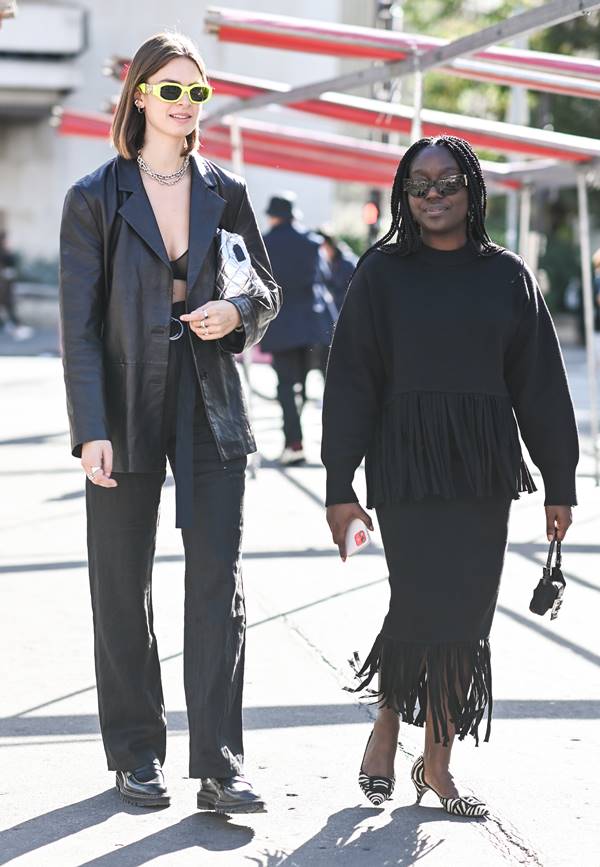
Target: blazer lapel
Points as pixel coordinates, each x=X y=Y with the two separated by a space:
x=206 y=208
x=137 y=210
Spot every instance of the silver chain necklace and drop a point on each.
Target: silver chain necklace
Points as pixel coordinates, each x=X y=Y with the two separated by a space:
x=167 y=180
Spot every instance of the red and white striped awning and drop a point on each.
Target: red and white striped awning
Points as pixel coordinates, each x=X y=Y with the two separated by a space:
x=531 y=79
x=536 y=70
x=392 y=117
x=321 y=154
x=269 y=146
x=285 y=148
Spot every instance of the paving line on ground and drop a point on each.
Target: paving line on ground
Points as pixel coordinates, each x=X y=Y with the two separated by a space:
x=508 y=841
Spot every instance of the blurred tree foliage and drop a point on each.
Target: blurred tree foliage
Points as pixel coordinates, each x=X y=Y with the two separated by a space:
x=554 y=212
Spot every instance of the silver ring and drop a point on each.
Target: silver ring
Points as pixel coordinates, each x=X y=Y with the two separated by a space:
x=95 y=470
x=204 y=325
x=90 y=477
x=205 y=314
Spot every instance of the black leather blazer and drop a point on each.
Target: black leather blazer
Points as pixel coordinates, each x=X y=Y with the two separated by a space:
x=115 y=300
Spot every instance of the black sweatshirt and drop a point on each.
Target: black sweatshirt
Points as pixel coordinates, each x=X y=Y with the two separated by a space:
x=431 y=355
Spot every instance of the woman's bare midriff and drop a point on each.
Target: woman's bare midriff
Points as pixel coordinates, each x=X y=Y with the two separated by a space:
x=179 y=288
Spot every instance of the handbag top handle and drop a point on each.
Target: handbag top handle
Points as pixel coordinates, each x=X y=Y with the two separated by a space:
x=554 y=542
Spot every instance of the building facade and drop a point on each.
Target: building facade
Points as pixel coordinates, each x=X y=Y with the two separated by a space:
x=52 y=54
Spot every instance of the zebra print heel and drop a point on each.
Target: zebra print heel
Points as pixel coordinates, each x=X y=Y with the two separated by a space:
x=417 y=775
x=467 y=806
x=376 y=789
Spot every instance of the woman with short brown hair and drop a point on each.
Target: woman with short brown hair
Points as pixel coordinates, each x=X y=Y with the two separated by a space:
x=149 y=366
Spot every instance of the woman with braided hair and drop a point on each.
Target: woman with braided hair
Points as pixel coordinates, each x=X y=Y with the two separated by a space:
x=443 y=339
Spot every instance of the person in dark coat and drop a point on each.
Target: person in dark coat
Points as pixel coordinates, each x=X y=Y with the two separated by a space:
x=148 y=350
x=299 y=337
x=8 y=270
x=596 y=289
x=342 y=262
x=443 y=346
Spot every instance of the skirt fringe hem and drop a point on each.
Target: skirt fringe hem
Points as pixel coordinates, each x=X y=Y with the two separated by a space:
x=453 y=680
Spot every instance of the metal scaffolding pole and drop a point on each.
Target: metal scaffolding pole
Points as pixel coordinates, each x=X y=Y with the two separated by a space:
x=237 y=150
x=546 y=15
x=525 y=223
x=416 y=131
x=518 y=113
x=588 y=310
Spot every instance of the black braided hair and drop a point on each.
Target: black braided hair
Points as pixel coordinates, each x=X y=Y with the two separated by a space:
x=404 y=227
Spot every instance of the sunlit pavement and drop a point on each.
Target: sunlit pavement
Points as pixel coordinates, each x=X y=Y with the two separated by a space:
x=305 y=736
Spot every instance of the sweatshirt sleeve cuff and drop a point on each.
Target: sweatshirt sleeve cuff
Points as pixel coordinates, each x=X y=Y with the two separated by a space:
x=339 y=483
x=559 y=485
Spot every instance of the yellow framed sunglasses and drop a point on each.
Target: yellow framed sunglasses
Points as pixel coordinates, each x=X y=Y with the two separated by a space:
x=172 y=91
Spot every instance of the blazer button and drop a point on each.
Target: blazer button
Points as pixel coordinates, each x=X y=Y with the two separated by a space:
x=203 y=375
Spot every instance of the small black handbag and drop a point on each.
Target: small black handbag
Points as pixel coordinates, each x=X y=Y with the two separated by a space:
x=549 y=592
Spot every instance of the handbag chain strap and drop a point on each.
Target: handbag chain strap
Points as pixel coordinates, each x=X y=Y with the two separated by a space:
x=553 y=543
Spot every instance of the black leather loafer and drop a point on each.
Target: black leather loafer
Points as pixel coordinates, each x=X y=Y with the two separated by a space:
x=229 y=795
x=144 y=787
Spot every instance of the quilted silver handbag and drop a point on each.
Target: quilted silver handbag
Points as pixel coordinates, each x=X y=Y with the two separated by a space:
x=235 y=272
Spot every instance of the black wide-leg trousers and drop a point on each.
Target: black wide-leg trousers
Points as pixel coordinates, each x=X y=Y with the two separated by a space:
x=292 y=367
x=122 y=526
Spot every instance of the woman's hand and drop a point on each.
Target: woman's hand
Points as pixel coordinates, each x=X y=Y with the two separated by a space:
x=558 y=518
x=96 y=460
x=339 y=517
x=213 y=320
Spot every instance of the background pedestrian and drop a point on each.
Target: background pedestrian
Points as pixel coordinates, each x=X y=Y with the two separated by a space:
x=342 y=262
x=299 y=337
x=8 y=272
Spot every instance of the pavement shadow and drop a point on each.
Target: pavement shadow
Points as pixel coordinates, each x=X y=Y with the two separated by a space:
x=203 y=830
x=275 y=464
x=347 y=839
x=255 y=718
x=275 y=554
x=63 y=822
x=34 y=440
x=284 y=716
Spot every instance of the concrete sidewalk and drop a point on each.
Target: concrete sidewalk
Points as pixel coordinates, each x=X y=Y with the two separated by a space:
x=305 y=735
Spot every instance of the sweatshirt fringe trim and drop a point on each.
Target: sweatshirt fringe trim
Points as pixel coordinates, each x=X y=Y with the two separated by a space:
x=453 y=679
x=425 y=439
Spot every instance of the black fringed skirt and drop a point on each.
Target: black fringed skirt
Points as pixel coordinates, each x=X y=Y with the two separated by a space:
x=445 y=559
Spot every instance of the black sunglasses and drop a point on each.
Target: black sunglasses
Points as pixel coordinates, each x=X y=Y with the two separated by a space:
x=418 y=188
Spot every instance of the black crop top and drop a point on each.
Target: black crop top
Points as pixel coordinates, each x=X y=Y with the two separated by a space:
x=179 y=267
